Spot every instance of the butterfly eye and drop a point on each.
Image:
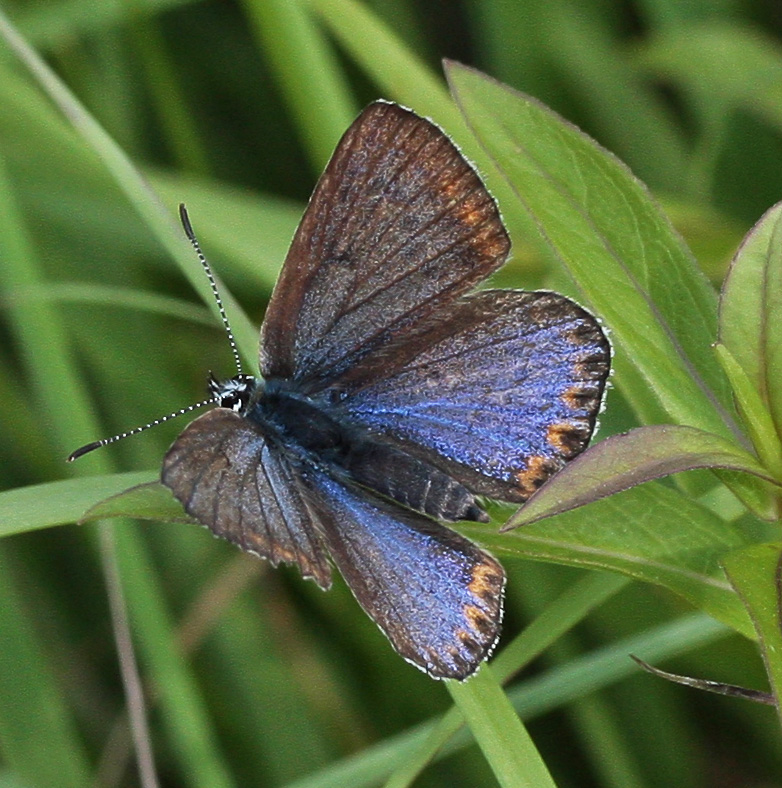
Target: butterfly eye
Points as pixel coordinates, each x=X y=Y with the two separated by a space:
x=234 y=393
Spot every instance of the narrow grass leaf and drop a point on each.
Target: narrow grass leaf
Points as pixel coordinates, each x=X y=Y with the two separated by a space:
x=693 y=56
x=627 y=114
x=38 y=735
x=60 y=503
x=308 y=73
x=557 y=618
x=500 y=734
x=185 y=714
x=403 y=77
x=756 y=574
x=533 y=697
x=132 y=183
x=623 y=461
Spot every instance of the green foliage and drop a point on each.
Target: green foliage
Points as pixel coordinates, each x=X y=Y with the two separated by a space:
x=252 y=676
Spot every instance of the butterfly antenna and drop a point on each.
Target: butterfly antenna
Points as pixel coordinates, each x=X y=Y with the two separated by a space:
x=135 y=431
x=185 y=219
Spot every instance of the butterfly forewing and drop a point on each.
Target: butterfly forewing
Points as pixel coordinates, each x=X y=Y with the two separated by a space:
x=230 y=479
x=499 y=391
x=399 y=224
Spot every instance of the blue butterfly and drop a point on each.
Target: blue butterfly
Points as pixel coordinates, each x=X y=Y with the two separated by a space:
x=393 y=396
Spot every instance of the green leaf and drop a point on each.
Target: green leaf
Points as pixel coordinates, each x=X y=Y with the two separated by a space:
x=623 y=461
x=131 y=182
x=58 y=503
x=750 y=309
x=694 y=56
x=754 y=412
x=306 y=66
x=653 y=533
x=627 y=260
x=756 y=574
x=148 y=501
x=38 y=734
x=403 y=76
x=499 y=732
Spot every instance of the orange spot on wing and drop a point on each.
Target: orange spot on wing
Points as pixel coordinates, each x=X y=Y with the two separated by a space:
x=487 y=581
x=568 y=439
x=537 y=471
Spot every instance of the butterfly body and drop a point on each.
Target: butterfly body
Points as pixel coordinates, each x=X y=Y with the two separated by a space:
x=393 y=396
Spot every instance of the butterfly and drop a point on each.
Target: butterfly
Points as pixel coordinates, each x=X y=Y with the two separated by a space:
x=394 y=396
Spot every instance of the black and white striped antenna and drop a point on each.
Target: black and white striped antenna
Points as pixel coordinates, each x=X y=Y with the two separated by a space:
x=214 y=399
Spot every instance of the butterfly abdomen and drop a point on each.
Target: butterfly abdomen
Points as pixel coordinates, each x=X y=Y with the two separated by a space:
x=318 y=435
x=411 y=482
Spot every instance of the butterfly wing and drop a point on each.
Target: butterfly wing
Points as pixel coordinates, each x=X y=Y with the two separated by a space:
x=434 y=594
x=398 y=225
x=229 y=478
x=498 y=390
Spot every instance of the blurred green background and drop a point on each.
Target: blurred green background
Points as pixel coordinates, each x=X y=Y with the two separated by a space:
x=233 y=108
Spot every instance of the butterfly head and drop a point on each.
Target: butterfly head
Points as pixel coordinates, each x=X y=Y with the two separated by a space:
x=234 y=393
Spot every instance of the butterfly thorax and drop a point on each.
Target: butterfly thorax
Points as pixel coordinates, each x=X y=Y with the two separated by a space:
x=315 y=432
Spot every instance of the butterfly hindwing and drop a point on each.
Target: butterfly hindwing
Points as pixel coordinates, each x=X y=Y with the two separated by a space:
x=398 y=225
x=229 y=478
x=499 y=391
x=434 y=594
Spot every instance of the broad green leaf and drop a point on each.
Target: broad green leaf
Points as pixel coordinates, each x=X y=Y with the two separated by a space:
x=57 y=503
x=629 y=263
x=754 y=412
x=756 y=574
x=652 y=533
x=751 y=306
x=623 y=461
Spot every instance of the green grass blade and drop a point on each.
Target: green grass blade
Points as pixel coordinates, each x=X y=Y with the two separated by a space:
x=557 y=618
x=531 y=698
x=403 y=77
x=186 y=716
x=307 y=72
x=500 y=734
x=38 y=736
x=59 y=503
x=135 y=187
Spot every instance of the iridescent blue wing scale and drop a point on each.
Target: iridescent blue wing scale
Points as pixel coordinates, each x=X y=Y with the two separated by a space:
x=499 y=391
x=230 y=479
